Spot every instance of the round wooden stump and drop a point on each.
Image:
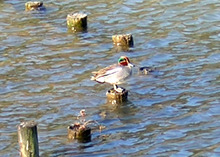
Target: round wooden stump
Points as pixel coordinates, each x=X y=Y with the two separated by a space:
x=79 y=132
x=77 y=21
x=37 y=5
x=116 y=97
x=123 y=40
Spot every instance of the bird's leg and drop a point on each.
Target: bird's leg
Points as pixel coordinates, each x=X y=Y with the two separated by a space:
x=117 y=89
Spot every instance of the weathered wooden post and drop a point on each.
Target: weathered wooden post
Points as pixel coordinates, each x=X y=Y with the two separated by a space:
x=37 y=5
x=77 y=21
x=145 y=70
x=28 y=139
x=123 y=40
x=80 y=132
x=117 y=97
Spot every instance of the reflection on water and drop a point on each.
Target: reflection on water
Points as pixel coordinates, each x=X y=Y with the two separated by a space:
x=45 y=76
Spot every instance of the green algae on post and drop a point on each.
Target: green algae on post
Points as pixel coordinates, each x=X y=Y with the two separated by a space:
x=28 y=139
x=37 y=5
x=77 y=21
x=123 y=40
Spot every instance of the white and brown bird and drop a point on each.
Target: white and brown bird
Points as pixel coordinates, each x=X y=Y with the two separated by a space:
x=114 y=74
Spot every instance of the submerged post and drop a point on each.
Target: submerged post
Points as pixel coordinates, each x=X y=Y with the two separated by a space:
x=80 y=132
x=123 y=40
x=117 y=97
x=77 y=21
x=28 y=139
x=37 y=5
x=145 y=70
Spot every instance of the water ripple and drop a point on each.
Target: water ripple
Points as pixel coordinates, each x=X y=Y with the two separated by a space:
x=45 y=76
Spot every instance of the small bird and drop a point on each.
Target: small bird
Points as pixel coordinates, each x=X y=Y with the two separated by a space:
x=114 y=74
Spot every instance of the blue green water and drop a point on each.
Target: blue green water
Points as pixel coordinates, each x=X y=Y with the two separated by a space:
x=45 y=76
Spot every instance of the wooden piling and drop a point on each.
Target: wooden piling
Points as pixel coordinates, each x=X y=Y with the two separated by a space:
x=123 y=40
x=116 y=97
x=145 y=70
x=28 y=139
x=80 y=132
x=37 y=5
x=77 y=21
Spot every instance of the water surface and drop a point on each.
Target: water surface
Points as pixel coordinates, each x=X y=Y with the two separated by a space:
x=45 y=76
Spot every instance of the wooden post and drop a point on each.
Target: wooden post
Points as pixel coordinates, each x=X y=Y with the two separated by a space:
x=145 y=70
x=28 y=139
x=80 y=132
x=77 y=21
x=116 y=97
x=30 y=6
x=123 y=40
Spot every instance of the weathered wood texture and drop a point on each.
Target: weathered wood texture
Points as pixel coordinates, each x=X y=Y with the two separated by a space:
x=123 y=40
x=77 y=21
x=28 y=139
x=37 y=5
x=80 y=132
x=116 y=97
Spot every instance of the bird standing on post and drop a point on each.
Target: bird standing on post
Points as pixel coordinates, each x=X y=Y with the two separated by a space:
x=114 y=74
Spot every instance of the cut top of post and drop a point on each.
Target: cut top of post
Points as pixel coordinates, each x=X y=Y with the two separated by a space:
x=28 y=124
x=77 y=15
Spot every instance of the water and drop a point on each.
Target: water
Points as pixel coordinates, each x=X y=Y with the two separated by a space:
x=45 y=76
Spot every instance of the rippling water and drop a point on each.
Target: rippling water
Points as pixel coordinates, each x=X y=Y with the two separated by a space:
x=45 y=76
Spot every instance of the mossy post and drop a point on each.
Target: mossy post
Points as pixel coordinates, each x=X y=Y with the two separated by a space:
x=123 y=40
x=28 y=139
x=77 y=21
x=117 y=97
x=37 y=5
x=79 y=132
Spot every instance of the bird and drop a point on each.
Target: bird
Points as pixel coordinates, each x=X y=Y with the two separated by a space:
x=114 y=74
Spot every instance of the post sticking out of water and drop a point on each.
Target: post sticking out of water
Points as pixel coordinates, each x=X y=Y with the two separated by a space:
x=28 y=139
x=80 y=132
x=77 y=21
x=123 y=40
x=116 y=97
x=37 y=5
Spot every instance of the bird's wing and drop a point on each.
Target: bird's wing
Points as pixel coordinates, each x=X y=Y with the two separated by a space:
x=107 y=71
x=112 y=71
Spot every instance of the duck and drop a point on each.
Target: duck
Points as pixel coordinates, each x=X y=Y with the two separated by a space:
x=114 y=74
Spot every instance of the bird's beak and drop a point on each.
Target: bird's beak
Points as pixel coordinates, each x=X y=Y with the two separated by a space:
x=131 y=65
